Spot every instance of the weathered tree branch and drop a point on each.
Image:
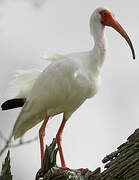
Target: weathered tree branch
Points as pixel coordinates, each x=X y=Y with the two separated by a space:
x=7 y=142
x=122 y=164
x=6 y=169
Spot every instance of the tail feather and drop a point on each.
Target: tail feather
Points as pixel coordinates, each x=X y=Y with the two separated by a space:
x=22 y=83
x=13 y=103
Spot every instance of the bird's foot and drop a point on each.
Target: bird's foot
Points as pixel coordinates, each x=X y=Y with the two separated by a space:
x=68 y=169
x=64 y=168
x=80 y=169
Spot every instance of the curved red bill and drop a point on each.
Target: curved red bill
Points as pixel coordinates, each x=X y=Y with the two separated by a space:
x=113 y=23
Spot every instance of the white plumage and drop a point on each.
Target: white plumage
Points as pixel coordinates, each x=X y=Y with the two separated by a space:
x=66 y=83
x=22 y=83
x=24 y=80
x=61 y=88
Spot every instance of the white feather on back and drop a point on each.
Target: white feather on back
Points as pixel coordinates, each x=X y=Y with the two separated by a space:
x=22 y=83
x=53 y=57
x=24 y=80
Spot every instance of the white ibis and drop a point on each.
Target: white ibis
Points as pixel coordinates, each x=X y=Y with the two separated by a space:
x=65 y=84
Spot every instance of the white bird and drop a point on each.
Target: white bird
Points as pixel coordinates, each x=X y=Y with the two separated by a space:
x=64 y=85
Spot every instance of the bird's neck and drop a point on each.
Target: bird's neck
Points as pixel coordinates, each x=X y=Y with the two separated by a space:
x=99 y=50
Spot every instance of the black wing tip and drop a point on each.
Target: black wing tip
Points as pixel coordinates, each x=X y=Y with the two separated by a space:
x=4 y=106
x=12 y=103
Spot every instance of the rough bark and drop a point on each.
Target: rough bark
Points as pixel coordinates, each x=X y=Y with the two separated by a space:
x=6 y=169
x=122 y=164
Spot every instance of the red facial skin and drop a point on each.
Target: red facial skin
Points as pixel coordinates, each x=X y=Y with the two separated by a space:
x=108 y=19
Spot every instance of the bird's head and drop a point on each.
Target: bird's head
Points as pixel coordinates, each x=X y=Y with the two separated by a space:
x=104 y=17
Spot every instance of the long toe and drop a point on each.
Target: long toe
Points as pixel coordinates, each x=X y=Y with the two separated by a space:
x=64 y=168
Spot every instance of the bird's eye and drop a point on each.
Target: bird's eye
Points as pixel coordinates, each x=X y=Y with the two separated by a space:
x=104 y=14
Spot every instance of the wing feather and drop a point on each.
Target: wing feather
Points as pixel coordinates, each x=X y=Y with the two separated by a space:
x=51 y=92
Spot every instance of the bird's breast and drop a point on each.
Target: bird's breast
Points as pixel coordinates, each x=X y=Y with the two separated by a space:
x=87 y=82
x=93 y=86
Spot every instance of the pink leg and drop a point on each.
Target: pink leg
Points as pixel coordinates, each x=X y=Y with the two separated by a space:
x=41 y=136
x=59 y=139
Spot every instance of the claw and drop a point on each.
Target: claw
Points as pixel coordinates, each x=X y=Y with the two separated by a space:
x=80 y=169
x=64 y=168
x=68 y=169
